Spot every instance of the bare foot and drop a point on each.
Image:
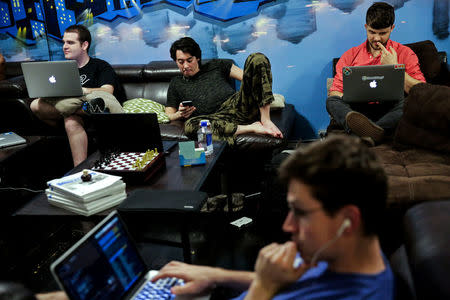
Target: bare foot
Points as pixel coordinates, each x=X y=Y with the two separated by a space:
x=273 y=129
x=259 y=128
x=256 y=127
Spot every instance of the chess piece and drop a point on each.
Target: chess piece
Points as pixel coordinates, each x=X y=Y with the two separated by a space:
x=86 y=176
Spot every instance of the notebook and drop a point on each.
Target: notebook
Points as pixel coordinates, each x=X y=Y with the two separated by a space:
x=366 y=84
x=127 y=132
x=105 y=264
x=10 y=139
x=52 y=79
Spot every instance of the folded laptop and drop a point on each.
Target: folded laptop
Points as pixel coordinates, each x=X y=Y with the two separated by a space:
x=127 y=132
x=52 y=79
x=381 y=83
x=10 y=139
x=106 y=265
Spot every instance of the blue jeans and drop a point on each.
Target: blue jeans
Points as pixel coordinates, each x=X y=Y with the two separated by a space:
x=388 y=120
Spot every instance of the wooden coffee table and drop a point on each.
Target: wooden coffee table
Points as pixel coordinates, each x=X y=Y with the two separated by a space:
x=172 y=177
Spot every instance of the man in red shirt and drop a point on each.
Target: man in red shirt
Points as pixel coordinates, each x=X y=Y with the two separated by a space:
x=378 y=49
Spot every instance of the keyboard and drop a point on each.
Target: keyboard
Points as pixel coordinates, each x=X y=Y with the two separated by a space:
x=159 y=289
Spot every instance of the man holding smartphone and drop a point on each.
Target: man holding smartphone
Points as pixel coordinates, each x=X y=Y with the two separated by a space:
x=187 y=103
x=203 y=92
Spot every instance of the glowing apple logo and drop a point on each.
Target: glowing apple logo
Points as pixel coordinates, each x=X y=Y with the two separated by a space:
x=373 y=84
x=52 y=79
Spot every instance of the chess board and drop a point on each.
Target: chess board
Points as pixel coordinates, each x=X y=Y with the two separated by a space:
x=124 y=164
x=122 y=161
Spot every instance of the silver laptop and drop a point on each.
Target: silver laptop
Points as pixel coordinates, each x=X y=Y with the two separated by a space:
x=10 y=139
x=52 y=79
x=105 y=264
x=373 y=84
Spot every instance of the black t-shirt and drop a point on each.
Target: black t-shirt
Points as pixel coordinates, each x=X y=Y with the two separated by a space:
x=207 y=89
x=98 y=72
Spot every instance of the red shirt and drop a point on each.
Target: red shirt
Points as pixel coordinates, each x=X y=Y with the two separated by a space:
x=360 y=56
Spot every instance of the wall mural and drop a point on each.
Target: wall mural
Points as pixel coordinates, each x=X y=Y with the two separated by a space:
x=300 y=37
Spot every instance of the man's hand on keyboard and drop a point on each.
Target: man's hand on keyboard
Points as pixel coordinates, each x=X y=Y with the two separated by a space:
x=199 y=280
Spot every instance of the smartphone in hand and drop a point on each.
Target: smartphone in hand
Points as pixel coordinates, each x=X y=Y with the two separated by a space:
x=187 y=103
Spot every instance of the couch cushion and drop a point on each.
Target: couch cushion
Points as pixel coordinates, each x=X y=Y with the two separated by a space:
x=13 y=87
x=415 y=175
x=278 y=102
x=426 y=118
x=428 y=56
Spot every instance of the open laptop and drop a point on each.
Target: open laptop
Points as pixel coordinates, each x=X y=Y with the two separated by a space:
x=127 y=132
x=10 y=139
x=373 y=84
x=52 y=79
x=105 y=264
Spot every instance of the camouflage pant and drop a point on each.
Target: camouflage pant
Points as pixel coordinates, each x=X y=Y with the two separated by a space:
x=242 y=108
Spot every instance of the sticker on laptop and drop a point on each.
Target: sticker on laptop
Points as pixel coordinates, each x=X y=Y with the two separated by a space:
x=399 y=67
x=346 y=71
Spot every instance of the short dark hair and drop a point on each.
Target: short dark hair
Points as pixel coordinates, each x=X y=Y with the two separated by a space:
x=84 y=35
x=186 y=45
x=380 y=15
x=341 y=170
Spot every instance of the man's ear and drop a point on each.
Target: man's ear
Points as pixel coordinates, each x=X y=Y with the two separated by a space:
x=365 y=26
x=352 y=213
x=85 y=45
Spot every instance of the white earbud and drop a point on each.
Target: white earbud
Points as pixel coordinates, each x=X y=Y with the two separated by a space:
x=346 y=224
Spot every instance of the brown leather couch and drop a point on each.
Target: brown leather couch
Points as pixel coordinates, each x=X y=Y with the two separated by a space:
x=149 y=81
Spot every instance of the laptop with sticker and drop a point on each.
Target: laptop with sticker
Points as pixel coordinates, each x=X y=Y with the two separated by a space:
x=373 y=84
x=106 y=264
x=10 y=139
x=52 y=79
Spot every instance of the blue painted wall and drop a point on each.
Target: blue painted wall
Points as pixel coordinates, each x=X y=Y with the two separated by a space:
x=300 y=37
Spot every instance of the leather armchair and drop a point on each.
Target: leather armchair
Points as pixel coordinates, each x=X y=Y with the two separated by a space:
x=422 y=263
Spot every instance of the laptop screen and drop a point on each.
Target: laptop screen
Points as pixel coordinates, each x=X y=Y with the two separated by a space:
x=127 y=132
x=105 y=266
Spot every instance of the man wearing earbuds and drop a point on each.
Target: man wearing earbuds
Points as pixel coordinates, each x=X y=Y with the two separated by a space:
x=336 y=196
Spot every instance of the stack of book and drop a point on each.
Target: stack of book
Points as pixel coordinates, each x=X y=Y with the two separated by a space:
x=97 y=192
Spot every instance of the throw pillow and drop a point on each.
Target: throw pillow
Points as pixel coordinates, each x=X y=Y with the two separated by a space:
x=426 y=118
x=426 y=52
x=140 y=105
x=278 y=102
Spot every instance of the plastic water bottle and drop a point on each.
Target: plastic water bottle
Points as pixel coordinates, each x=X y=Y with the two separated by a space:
x=204 y=137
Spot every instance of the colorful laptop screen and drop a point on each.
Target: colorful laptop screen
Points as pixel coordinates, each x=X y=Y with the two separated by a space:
x=105 y=266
